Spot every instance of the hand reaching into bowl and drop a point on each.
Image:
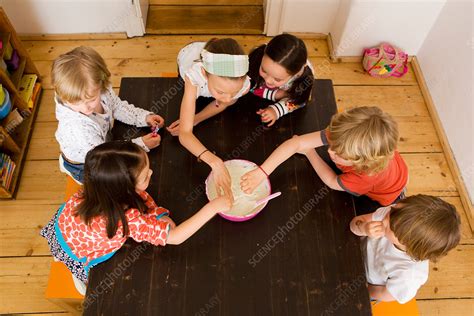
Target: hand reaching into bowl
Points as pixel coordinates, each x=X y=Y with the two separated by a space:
x=251 y=180
x=222 y=180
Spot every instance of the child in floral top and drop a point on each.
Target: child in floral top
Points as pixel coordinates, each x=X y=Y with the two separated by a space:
x=114 y=206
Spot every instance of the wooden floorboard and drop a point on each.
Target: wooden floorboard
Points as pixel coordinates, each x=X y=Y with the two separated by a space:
x=447 y=307
x=151 y=47
x=442 y=284
x=22 y=285
x=24 y=254
x=341 y=74
x=41 y=180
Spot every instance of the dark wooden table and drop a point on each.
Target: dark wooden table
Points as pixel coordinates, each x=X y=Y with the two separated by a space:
x=297 y=257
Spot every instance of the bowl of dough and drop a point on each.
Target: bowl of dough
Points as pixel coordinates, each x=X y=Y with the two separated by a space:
x=244 y=207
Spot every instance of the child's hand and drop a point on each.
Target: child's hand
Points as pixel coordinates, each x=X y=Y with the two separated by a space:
x=174 y=128
x=155 y=119
x=168 y=220
x=268 y=115
x=151 y=141
x=374 y=229
x=222 y=180
x=221 y=204
x=251 y=180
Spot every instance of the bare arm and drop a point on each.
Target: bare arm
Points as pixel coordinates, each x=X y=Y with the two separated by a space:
x=289 y=148
x=191 y=143
x=186 y=229
x=325 y=172
x=358 y=223
x=209 y=111
x=252 y=179
x=380 y=293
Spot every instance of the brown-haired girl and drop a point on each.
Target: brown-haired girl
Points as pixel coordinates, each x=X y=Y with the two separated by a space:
x=280 y=71
x=216 y=69
x=113 y=206
x=402 y=238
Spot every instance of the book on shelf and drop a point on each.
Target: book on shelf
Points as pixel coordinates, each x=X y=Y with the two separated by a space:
x=11 y=122
x=27 y=85
x=34 y=97
x=7 y=168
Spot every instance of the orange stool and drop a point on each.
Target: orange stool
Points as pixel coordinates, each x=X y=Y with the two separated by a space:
x=61 y=289
x=395 y=309
x=71 y=187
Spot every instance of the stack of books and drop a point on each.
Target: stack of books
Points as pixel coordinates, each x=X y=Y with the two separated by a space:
x=7 y=168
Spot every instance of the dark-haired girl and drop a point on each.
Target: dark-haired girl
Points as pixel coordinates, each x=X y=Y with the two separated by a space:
x=113 y=206
x=280 y=71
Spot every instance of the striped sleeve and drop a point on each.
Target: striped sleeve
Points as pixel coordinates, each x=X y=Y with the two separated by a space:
x=284 y=106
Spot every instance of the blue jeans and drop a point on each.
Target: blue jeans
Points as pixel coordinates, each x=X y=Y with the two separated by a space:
x=76 y=170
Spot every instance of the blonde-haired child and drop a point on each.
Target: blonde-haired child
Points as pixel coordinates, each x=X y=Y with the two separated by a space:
x=216 y=69
x=402 y=238
x=362 y=143
x=86 y=107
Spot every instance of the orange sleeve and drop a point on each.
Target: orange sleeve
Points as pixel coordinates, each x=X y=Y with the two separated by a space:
x=353 y=183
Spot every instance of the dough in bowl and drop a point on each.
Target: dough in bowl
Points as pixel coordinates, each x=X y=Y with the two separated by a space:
x=244 y=204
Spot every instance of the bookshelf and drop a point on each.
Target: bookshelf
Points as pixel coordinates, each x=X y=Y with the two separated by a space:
x=16 y=128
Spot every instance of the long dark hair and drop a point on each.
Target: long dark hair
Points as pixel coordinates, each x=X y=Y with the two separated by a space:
x=289 y=52
x=110 y=173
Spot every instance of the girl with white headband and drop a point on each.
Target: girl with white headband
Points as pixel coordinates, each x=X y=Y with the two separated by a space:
x=216 y=69
x=281 y=72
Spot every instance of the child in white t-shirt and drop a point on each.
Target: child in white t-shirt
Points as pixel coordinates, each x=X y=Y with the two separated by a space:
x=402 y=238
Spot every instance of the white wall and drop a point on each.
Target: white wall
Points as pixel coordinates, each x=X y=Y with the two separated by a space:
x=71 y=16
x=446 y=58
x=366 y=23
x=315 y=16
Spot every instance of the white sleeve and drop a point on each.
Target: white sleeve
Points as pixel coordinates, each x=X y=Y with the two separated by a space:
x=380 y=213
x=403 y=284
x=126 y=112
x=139 y=142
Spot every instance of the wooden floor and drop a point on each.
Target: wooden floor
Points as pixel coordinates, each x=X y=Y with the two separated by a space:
x=24 y=256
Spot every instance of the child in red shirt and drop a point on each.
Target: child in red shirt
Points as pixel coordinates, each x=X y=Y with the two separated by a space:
x=362 y=143
x=114 y=206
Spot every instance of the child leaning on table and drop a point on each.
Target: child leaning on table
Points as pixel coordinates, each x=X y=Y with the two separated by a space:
x=114 y=206
x=402 y=238
x=86 y=107
x=216 y=69
x=281 y=72
x=362 y=143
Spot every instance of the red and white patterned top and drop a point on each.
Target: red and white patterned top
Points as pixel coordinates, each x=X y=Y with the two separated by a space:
x=91 y=241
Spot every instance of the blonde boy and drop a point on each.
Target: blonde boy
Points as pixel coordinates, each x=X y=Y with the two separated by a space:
x=362 y=143
x=86 y=107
